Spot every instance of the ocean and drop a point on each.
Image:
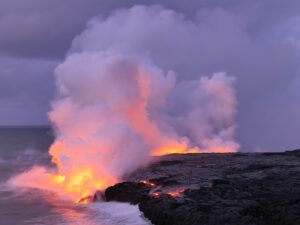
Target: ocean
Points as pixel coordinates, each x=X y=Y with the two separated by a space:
x=20 y=149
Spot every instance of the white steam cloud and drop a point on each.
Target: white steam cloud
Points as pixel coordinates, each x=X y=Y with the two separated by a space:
x=117 y=106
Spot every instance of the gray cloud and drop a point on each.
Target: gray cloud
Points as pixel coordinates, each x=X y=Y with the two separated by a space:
x=35 y=28
x=26 y=85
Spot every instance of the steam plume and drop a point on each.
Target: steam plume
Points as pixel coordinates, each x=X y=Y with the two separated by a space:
x=116 y=106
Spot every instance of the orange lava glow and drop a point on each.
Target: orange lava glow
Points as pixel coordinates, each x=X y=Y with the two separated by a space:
x=176 y=147
x=80 y=181
x=82 y=184
x=85 y=200
x=79 y=185
x=177 y=193
x=156 y=194
x=147 y=182
x=83 y=180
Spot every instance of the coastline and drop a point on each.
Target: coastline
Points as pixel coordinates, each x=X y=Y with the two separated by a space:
x=235 y=188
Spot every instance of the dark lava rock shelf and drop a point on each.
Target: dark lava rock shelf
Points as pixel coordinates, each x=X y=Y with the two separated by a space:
x=216 y=189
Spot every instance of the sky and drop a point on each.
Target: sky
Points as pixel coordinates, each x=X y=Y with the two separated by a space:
x=256 y=41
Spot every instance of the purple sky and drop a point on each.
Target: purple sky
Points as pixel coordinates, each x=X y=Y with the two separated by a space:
x=256 y=41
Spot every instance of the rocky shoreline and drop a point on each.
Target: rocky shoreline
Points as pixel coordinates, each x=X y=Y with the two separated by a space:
x=216 y=189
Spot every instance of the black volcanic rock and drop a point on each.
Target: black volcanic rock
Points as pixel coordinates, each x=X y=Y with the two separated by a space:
x=131 y=192
x=164 y=181
x=220 y=189
x=270 y=201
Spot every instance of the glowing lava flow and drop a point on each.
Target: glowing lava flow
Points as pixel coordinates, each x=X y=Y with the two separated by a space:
x=176 y=193
x=156 y=194
x=174 y=147
x=147 y=183
x=82 y=182
x=79 y=185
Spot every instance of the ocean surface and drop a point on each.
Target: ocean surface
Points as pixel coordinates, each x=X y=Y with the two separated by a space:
x=20 y=149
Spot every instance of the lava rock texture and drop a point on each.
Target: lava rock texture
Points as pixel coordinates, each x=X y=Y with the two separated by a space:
x=131 y=192
x=220 y=189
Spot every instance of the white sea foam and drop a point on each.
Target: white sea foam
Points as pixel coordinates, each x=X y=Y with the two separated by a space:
x=113 y=213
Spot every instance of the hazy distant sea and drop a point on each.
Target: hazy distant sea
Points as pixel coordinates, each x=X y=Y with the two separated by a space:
x=20 y=149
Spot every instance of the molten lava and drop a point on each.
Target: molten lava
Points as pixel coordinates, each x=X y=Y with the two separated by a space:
x=147 y=183
x=77 y=176
x=176 y=193
x=156 y=194
x=86 y=200
x=174 y=147
x=84 y=180
x=80 y=185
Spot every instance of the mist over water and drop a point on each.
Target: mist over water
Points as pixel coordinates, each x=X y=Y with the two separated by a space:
x=20 y=149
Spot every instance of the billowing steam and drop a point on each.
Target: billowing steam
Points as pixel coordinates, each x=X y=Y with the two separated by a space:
x=117 y=105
